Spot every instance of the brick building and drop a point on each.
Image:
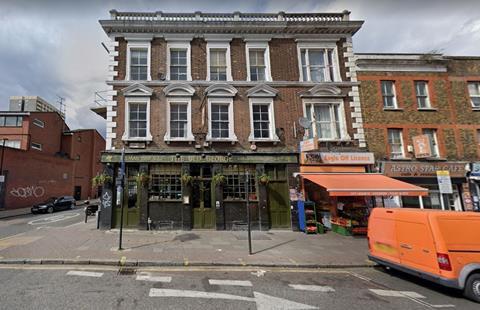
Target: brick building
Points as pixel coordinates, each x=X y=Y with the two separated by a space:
x=421 y=114
x=43 y=158
x=206 y=97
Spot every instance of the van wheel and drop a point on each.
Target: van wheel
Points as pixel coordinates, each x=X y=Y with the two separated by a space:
x=472 y=287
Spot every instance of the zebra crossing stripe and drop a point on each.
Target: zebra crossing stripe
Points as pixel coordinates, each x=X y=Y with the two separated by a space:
x=230 y=282
x=312 y=288
x=391 y=293
x=85 y=273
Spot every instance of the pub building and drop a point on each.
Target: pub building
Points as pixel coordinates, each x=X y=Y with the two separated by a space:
x=343 y=189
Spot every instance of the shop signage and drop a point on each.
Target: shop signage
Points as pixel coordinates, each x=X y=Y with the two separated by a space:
x=309 y=145
x=200 y=158
x=325 y=158
x=421 y=146
x=475 y=173
x=409 y=170
x=444 y=182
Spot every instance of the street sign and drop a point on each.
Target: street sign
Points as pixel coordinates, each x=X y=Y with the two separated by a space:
x=444 y=182
x=309 y=145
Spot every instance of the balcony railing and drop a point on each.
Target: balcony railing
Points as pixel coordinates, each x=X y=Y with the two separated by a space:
x=230 y=17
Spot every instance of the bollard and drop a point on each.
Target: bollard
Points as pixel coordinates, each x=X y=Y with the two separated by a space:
x=86 y=214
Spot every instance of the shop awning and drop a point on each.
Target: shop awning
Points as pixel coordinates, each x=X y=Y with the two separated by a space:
x=364 y=184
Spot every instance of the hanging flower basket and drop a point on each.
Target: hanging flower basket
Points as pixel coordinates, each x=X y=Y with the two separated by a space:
x=142 y=179
x=264 y=179
x=218 y=180
x=186 y=179
x=101 y=179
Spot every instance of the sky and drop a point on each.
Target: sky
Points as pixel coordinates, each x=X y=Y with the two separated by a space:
x=53 y=48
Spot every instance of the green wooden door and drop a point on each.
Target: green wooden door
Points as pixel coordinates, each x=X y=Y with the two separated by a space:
x=131 y=209
x=203 y=211
x=278 y=202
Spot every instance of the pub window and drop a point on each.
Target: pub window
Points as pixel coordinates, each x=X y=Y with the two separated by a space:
x=388 y=95
x=165 y=182
x=234 y=187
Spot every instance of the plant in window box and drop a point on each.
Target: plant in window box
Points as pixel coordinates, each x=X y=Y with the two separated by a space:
x=264 y=179
x=101 y=179
x=218 y=180
x=142 y=179
x=186 y=179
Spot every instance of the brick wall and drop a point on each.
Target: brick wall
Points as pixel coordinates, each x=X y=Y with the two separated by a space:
x=284 y=60
x=239 y=62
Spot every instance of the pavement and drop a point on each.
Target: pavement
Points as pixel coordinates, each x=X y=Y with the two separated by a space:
x=104 y=287
x=63 y=238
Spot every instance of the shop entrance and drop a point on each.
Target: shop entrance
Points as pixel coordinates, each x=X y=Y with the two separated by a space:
x=203 y=211
x=278 y=199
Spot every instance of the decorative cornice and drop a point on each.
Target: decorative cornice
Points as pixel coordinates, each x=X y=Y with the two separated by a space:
x=322 y=91
x=179 y=90
x=262 y=90
x=137 y=90
x=203 y=83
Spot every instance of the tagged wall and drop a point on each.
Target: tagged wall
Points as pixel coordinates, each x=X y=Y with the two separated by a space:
x=33 y=177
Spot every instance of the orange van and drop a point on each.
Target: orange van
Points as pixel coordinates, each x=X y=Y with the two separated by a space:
x=440 y=246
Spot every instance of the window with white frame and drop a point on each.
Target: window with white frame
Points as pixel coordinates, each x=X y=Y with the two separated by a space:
x=137 y=120
x=221 y=126
x=395 y=142
x=138 y=61
x=258 y=62
x=432 y=137
x=421 y=91
x=262 y=120
x=14 y=144
x=388 y=95
x=38 y=123
x=179 y=118
x=318 y=64
x=474 y=91
x=36 y=146
x=327 y=119
x=217 y=64
x=179 y=62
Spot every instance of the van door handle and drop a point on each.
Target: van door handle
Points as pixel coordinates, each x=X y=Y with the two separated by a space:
x=406 y=246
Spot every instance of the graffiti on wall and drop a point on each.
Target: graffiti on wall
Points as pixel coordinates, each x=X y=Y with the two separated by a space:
x=28 y=191
x=106 y=200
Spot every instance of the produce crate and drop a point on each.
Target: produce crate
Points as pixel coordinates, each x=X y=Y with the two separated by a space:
x=320 y=228
x=342 y=230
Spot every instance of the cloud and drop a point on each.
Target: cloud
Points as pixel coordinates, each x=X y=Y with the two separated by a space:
x=52 y=48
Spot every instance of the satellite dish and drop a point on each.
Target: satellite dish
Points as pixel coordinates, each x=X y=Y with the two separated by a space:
x=304 y=122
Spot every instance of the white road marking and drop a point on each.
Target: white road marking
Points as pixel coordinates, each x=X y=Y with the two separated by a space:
x=84 y=273
x=146 y=276
x=52 y=219
x=79 y=223
x=259 y=273
x=313 y=288
x=391 y=293
x=263 y=302
x=229 y=282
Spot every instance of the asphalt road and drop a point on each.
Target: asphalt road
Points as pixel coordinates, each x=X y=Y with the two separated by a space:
x=20 y=224
x=63 y=287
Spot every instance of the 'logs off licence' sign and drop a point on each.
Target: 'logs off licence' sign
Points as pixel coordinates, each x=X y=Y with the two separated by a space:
x=319 y=158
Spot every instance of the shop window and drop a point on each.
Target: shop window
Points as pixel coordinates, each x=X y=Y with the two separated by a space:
x=327 y=119
x=318 y=64
x=421 y=91
x=234 y=187
x=395 y=142
x=165 y=182
x=432 y=137
x=474 y=91
x=388 y=95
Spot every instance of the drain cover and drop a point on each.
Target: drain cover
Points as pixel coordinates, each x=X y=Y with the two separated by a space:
x=126 y=271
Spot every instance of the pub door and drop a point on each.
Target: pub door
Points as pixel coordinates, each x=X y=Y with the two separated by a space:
x=131 y=209
x=203 y=211
x=278 y=197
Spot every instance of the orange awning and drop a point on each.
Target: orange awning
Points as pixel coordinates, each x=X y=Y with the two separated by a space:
x=364 y=184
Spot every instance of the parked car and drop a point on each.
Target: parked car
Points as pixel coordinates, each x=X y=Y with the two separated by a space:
x=440 y=246
x=54 y=204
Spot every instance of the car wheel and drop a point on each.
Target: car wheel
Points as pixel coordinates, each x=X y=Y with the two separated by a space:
x=72 y=206
x=50 y=209
x=472 y=287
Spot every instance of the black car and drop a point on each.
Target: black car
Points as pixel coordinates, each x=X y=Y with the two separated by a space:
x=54 y=204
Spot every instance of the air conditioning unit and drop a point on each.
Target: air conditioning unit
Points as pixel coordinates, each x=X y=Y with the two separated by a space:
x=410 y=148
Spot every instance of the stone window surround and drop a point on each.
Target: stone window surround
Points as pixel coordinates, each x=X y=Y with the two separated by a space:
x=139 y=45
x=271 y=115
x=189 y=135
x=341 y=111
x=180 y=44
x=231 y=123
x=220 y=45
x=319 y=45
x=255 y=44
x=126 y=132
